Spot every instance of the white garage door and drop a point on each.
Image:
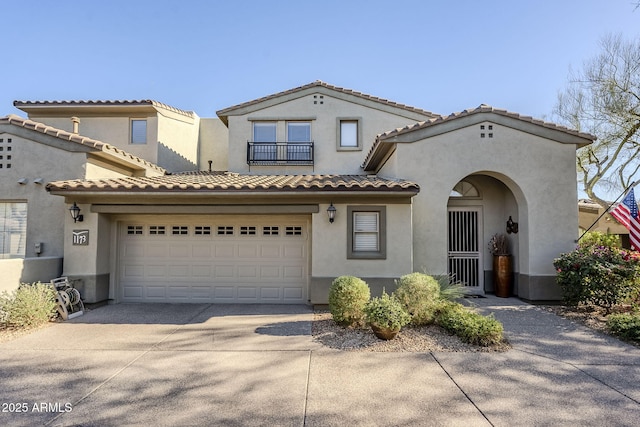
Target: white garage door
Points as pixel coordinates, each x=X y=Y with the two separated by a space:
x=234 y=259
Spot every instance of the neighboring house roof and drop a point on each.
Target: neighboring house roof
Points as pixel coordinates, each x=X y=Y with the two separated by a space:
x=34 y=106
x=79 y=140
x=228 y=182
x=314 y=87
x=384 y=142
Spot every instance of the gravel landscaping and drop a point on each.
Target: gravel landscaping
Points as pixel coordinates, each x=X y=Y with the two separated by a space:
x=410 y=339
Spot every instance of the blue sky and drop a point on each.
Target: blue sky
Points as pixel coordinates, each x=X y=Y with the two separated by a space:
x=208 y=55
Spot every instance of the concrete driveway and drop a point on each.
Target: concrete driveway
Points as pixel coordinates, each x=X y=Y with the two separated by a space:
x=203 y=364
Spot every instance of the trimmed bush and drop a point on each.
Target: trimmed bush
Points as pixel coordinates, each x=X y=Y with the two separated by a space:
x=28 y=306
x=347 y=297
x=625 y=325
x=470 y=327
x=386 y=312
x=598 y=238
x=418 y=293
x=598 y=275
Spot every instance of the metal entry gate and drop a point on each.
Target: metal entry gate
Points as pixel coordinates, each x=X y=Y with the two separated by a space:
x=463 y=247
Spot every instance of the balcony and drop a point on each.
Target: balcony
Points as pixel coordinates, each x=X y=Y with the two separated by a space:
x=280 y=153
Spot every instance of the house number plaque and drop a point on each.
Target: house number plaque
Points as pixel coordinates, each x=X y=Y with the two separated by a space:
x=80 y=237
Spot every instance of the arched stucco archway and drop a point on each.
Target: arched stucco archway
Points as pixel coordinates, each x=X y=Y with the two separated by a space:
x=479 y=207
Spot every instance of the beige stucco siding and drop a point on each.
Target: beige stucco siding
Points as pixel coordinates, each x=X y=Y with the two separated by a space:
x=214 y=145
x=324 y=132
x=177 y=141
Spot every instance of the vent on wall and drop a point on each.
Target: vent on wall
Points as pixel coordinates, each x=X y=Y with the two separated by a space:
x=484 y=129
x=318 y=99
x=5 y=153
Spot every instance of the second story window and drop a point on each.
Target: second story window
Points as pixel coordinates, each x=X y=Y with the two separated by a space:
x=138 y=131
x=298 y=131
x=348 y=135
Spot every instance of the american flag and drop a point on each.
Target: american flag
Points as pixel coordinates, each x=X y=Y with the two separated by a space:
x=626 y=213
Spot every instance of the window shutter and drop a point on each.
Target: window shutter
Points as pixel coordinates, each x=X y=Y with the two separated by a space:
x=365 y=231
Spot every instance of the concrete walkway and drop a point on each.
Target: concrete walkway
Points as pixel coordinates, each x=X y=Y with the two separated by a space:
x=202 y=364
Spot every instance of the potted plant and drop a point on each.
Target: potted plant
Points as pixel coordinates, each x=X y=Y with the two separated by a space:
x=386 y=315
x=502 y=269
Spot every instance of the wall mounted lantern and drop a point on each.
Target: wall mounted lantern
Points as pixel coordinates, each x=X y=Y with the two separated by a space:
x=512 y=227
x=331 y=212
x=75 y=213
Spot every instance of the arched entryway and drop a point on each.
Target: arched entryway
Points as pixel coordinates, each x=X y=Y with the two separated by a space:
x=479 y=207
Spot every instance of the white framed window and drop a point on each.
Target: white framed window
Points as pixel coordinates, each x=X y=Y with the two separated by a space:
x=13 y=229
x=138 y=131
x=349 y=138
x=366 y=230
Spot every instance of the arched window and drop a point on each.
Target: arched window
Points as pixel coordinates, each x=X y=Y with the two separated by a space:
x=465 y=189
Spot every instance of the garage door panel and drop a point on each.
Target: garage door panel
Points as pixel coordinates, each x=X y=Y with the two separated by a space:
x=247 y=271
x=269 y=294
x=214 y=259
x=181 y=250
x=247 y=250
x=155 y=291
x=247 y=293
x=224 y=250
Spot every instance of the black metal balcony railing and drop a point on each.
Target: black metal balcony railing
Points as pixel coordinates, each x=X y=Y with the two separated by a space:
x=279 y=153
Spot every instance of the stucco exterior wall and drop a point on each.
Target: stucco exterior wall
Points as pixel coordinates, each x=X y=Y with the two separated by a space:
x=214 y=145
x=329 y=251
x=538 y=172
x=324 y=132
x=177 y=141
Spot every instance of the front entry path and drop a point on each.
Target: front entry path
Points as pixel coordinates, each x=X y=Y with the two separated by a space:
x=203 y=364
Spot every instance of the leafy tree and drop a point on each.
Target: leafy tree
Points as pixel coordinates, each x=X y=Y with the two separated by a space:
x=604 y=99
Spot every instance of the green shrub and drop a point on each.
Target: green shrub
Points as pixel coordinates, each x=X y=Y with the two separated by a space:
x=598 y=238
x=347 y=298
x=386 y=312
x=471 y=327
x=28 y=306
x=625 y=325
x=598 y=275
x=418 y=293
x=451 y=289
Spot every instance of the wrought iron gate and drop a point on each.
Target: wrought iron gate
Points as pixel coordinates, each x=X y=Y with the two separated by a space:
x=463 y=247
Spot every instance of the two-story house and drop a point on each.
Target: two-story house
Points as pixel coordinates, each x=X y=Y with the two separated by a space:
x=320 y=181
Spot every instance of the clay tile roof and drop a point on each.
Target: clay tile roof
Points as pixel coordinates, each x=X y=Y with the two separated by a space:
x=319 y=83
x=12 y=119
x=220 y=182
x=101 y=103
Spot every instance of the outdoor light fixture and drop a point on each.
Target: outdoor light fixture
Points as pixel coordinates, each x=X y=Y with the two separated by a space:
x=512 y=227
x=331 y=212
x=75 y=213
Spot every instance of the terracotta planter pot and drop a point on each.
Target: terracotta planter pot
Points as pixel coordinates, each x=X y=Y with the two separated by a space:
x=502 y=275
x=384 y=333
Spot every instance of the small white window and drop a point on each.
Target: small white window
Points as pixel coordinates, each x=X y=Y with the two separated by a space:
x=225 y=230
x=138 y=131
x=349 y=133
x=202 y=230
x=293 y=230
x=248 y=230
